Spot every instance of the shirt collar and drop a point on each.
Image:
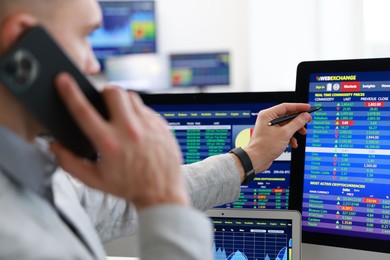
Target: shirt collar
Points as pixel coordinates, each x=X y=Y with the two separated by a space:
x=30 y=165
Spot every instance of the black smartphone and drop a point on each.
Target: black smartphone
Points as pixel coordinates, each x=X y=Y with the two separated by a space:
x=29 y=69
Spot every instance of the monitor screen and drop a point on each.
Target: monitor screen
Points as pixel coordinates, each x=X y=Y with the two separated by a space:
x=200 y=69
x=256 y=234
x=128 y=27
x=343 y=178
x=256 y=238
x=213 y=123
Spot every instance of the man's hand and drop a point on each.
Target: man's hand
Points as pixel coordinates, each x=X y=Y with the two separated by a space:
x=268 y=142
x=139 y=159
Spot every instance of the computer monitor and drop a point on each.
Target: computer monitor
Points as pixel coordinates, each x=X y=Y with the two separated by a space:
x=200 y=69
x=341 y=170
x=208 y=124
x=128 y=27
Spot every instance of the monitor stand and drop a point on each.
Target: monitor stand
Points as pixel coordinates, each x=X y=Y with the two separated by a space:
x=201 y=89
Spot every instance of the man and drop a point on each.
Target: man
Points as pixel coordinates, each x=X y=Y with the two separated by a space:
x=58 y=217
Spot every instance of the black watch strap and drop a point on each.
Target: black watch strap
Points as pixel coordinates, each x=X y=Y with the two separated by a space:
x=246 y=163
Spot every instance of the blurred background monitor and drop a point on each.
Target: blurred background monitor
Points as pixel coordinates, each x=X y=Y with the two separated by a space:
x=140 y=72
x=200 y=69
x=129 y=27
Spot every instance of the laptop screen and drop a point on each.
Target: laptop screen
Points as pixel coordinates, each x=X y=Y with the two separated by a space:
x=258 y=238
x=213 y=123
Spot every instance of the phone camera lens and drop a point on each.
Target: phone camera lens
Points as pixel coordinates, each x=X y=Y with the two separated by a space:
x=25 y=64
x=22 y=70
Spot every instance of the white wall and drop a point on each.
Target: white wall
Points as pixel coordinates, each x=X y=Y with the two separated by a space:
x=376 y=28
x=204 y=25
x=340 y=29
x=282 y=33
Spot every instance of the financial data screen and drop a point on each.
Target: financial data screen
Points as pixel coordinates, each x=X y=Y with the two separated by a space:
x=128 y=27
x=347 y=163
x=204 y=130
x=252 y=239
x=206 y=69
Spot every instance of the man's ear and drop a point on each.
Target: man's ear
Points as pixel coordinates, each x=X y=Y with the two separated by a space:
x=12 y=27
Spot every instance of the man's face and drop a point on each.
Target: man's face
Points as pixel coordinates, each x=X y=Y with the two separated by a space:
x=71 y=27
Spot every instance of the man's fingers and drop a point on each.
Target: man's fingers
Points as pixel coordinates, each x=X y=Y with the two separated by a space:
x=136 y=102
x=302 y=131
x=148 y=115
x=91 y=123
x=298 y=123
x=118 y=103
x=293 y=142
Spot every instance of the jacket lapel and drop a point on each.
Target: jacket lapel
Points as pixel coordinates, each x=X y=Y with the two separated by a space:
x=67 y=203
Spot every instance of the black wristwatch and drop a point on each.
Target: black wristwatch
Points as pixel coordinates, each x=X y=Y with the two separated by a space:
x=246 y=163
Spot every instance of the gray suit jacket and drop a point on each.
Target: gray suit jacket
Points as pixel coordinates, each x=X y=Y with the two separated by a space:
x=31 y=229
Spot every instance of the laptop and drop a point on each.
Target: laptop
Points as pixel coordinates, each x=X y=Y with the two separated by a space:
x=256 y=234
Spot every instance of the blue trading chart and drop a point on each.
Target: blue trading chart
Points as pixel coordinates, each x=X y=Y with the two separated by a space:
x=257 y=239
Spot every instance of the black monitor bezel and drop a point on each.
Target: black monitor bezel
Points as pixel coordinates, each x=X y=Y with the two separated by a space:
x=298 y=155
x=172 y=55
